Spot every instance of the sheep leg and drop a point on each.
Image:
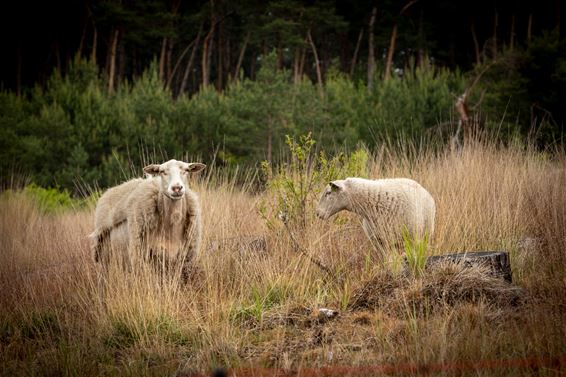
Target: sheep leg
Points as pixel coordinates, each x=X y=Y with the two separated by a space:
x=191 y=242
x=192 y=234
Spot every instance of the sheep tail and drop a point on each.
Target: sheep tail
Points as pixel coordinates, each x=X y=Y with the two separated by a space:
x=97 y=241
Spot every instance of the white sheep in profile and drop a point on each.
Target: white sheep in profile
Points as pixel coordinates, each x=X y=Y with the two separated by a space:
x=158 y=217
x=388 y=207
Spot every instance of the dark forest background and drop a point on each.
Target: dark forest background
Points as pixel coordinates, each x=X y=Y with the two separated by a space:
x=89 y=88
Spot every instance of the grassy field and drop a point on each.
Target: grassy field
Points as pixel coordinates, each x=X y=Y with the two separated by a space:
x=255 y=303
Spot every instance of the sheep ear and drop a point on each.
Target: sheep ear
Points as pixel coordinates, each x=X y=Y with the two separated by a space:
x=193 y=167
x=151 y=169
x=335 y=186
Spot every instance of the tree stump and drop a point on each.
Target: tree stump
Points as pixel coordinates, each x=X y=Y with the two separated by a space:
x=497 y=261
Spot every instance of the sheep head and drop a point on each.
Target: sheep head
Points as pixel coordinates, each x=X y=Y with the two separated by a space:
x=173 y=176
x=333 y=199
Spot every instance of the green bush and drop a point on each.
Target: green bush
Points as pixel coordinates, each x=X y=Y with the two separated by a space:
x=294 y=187
x=521 y=91
x=73 y=130
x=50 y=200
x=420 y=101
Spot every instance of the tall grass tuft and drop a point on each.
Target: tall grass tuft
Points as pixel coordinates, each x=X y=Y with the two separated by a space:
x=416 y=252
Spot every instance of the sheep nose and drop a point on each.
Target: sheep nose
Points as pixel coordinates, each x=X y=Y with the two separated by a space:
x=177 y=189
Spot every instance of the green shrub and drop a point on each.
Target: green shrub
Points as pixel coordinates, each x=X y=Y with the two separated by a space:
x=50 y=200
x=294 y=187
x=74 y=130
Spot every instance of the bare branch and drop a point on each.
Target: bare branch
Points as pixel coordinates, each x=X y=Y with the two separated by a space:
x=189 y=46
x=407 y=6
x=302 y=251
x=317 y=63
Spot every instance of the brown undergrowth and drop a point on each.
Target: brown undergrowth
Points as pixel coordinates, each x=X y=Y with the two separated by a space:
x=257 y=300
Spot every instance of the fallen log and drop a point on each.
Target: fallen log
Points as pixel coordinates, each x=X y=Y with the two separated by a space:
x=497 y=261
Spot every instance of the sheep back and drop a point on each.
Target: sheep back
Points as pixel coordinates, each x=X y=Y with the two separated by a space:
x=112 y=207
x=392 y=205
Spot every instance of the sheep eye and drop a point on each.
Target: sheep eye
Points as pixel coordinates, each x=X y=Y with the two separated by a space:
x=163 y=172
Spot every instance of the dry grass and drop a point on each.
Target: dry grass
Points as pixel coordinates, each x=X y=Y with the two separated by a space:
x=256 y=301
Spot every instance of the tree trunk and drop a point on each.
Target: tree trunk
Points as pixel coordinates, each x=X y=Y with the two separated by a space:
x=19 y=71
x=162 y=56
x=94 y=42
x=253 y=66
x=269 y=140
x=192 y=44
x=134 y=62
x=209 y=57
x=296 y=63
x=57 y=56
x=279 y=56
x=421 y=53
x=175 y=5
x=476 y=44
x=206 y=50
x=317 y=65
x=390 y=52
x=557 y=13
x=302 y=62
x=121 y=60
x=227 y=59
x=168 y=60
x=241 y=56
x=529 y=27
x=112 y=60
x=356 y=51
x=393 y=42
x=497 y=261
x=83 y=37
x=512 y=36
x=463 y=122
x=371 y=51
x=190 y=62
x=220 y=56
x=495 y=23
